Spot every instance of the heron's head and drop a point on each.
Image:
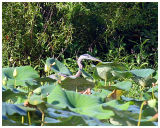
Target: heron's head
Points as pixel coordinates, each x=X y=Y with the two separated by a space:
x=88 y=57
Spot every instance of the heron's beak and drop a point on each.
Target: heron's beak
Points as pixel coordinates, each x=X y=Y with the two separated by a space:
x=95 y=59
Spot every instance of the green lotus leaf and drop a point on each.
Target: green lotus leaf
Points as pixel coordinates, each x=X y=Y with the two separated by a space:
x=154 y=89
x=37 y=91
x=65 y=119
x=10 y=109
x=45 y=79
x=9 y=122
x=113 y=65
x=83 y=104
x=71 y=99
x=50 y=121
x=124 y=85
x=134 y=109
x=156 y=75
x=11 y=94
x=45 y=90
x=27 y=108
x=24 y=74
x=149 y=111
x=86 y=75
x=124 y=116
x=103 y=94
x=78 y=83
x=121 y=117
x=121 y=74
x=142 y=72
x=152 y=103
x=95 y=111
x=57 y=66
x=106 y=70
x=70 y=121
x=35 y=100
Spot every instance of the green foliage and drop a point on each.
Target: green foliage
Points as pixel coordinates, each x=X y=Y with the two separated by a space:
x=10 y=109
x=109 y=70
x=76 y=83
x=60 y=102
x=57 y=66
x=120 y=32
x=142 y=72
x=125 y=85
x=24 y=75
x=123 y=90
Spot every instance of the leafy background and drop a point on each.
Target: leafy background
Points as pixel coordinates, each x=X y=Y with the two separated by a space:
x=123 y=32
x=120 y=90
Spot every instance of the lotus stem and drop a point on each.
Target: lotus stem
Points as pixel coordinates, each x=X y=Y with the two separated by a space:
x=48 y=73
x=42 y=124
x=30 y=93
x=29 y=119
x=140 y=113
x=15 y=73
x=22 y=119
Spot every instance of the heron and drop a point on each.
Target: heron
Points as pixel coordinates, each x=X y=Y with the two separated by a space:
x=79 y=72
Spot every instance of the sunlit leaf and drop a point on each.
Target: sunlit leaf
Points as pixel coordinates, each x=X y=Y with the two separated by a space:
x=152 y=103
x=71 y=98
x=50 y=121
x=124 y=85
x=142 y=72
x=115 y=104
x=35 y=100
x=83 y=104
x=107 y=70
x=24 y=74
x=57 y=66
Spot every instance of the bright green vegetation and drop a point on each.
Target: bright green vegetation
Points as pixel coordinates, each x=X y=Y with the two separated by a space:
x=121 y=32
x=124 y=87
x=31 y=100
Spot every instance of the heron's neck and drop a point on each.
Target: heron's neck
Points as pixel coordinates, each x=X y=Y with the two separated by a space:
x=79 y=64
x=78 y=73
x=80 y=67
